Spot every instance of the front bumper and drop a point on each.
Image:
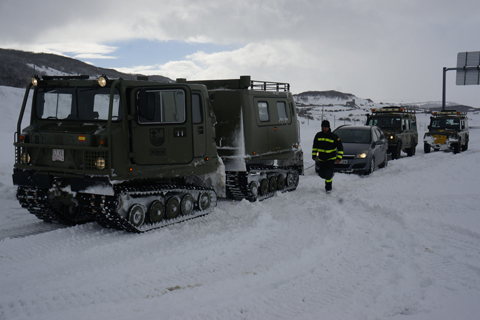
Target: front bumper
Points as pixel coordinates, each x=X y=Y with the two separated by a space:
x=350 y=164
x=47 y=180
x=440 y=142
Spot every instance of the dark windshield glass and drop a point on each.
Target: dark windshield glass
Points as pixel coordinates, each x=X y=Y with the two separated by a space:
x=385 y=122
x=76 y=104
x=354 y=135
x=445 y=123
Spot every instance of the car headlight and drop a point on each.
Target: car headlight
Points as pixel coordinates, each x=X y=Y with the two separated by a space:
x=100 y=163
x=361 y=155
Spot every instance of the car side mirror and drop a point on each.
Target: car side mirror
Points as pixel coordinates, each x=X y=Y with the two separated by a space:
x=379 y=142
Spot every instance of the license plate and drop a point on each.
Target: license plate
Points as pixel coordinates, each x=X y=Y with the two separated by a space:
x=58 y=155
x=343 y=161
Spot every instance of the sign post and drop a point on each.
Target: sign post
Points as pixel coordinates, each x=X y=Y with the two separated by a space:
x=468 y=71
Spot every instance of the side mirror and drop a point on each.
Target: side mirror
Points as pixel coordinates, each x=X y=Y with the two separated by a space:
x=379 y=142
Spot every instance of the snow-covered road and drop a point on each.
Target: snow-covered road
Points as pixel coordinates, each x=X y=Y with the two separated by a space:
x=402 y=241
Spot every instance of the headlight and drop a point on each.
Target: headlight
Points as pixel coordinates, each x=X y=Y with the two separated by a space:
x=25 y=158
x=100 y=163
x=35 y=80
x=391 y=137
x=361 y=155
x=102 y=80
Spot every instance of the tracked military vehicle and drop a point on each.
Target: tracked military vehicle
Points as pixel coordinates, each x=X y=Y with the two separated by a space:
x=399 y=126
x=448 y=130
x=138 y=154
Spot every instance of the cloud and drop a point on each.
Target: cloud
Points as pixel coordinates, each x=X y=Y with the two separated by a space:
x=272 y=60
x=372 y=48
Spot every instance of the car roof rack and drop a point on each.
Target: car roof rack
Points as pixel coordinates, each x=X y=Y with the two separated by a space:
x=393 y=109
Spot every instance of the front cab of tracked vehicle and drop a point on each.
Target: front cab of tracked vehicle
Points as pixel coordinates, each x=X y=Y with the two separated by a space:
x=88 y=137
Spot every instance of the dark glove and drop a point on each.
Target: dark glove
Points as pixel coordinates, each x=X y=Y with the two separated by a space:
x=314 y=158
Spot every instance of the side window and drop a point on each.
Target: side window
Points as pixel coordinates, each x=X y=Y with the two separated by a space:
x=282 y=111
x=161 y=106
x=197 y=109
x=263 y=113
x=101 y=103
x=375 y=135
x=413 y=124
x=380 y=135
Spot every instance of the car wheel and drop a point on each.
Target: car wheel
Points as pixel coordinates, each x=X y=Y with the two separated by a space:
x=371 y=169
x=385 y=161
x=456 y=148
x=426 y=148
x=397 y=151
x=465 y=146
x=411 y=150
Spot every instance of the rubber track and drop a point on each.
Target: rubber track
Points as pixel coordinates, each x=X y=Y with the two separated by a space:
x=104 y=207
x=36 y=202
x=238 y=188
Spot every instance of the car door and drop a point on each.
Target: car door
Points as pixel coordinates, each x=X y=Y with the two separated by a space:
x=383 y=147
x=379 y=148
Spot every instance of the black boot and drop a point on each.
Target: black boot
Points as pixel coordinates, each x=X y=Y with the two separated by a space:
x=328 y=186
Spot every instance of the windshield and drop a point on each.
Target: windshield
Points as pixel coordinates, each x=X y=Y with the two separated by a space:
x=445 y=123
x=385 y=122
x=354 y=135
x=76 y=104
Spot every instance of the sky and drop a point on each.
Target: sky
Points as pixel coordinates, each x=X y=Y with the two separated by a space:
x=384 y=50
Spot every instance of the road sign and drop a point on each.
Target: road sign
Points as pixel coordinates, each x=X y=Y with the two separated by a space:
x=468 y=68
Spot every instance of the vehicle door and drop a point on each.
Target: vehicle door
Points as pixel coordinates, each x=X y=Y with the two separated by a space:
x=413 y=131
x=405 y=135
x=198 y=119
x=162 y=131
x=381 y=145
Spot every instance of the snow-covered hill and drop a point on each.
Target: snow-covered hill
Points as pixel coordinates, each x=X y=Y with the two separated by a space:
x=402 y=243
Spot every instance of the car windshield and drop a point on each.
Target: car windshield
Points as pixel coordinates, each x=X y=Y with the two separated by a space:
x=76 y=104
x=354 y=135
x=445 y=123
x=385 y=122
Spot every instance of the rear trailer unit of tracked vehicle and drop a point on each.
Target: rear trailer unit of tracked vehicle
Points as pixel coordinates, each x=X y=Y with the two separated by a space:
x=139 y=154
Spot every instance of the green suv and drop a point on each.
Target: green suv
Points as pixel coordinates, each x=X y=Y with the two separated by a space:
x=399 y=126
x=448 y=130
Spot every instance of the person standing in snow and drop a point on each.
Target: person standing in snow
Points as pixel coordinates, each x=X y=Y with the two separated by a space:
x=326 y=151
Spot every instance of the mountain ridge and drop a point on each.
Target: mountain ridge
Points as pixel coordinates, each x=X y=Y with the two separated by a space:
x=16 y=68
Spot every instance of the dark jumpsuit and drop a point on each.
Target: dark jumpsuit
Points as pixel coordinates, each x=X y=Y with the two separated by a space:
x=327 y=147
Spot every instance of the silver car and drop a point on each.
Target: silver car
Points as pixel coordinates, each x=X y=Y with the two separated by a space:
x=364 y=149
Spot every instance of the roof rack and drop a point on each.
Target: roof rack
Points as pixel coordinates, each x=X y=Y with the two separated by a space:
x=269 y=86
x=392 y=110
x=449 y=113
x=244 y=83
